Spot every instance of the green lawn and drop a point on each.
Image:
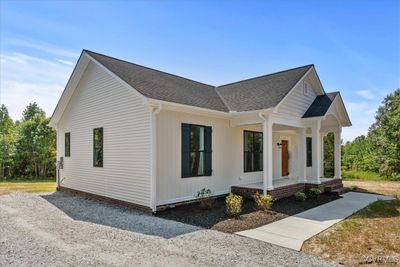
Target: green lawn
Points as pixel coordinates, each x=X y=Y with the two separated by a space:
x=27 y=186
x=362 y=175
x=373 y=231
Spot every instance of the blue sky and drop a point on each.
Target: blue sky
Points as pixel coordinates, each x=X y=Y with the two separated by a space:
x=355 y=45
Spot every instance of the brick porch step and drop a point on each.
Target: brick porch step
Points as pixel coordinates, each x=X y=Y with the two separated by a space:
x=341 y=191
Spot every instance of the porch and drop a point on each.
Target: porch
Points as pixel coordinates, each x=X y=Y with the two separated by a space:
x=286 y=187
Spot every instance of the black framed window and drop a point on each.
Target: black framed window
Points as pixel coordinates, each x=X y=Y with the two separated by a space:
x=309 y=152
x=67 y=144
x=98 y=147
x=196 y=150
x=253 y=151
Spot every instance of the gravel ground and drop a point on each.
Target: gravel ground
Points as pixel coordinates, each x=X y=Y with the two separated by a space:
x=64 y=230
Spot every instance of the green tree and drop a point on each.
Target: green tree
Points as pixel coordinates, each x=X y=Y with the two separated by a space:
x=35 y=146
x=385 y=135
x=31 y=110
x=360 y=155
x=7 y=142
x=329 y=163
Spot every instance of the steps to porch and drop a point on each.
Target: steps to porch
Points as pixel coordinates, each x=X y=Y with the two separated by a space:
x=286 y=188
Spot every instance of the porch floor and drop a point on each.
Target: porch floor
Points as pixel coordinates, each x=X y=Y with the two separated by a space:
x=280 y=183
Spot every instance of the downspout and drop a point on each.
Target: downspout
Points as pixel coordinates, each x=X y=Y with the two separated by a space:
x=264 y=153
x=155 y=111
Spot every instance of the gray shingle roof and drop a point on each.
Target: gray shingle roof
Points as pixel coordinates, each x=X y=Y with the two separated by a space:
x=320 y=105
x=261 y=92
x=162 y=86
x=252 y=94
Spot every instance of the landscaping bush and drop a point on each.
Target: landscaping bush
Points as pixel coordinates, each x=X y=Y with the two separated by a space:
x=353 y=187
x=300 y=196
x=263 y=202
x=204 y=195
x=313 y=192
x=234 y=204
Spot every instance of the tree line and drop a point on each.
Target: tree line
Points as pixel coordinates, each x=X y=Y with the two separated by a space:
x=379 y=150
x=27 y=146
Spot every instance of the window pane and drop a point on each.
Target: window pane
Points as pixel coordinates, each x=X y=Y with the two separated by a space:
x=196 y=138
x=258 y=141
x=257 y=161
x=98 y=147
x=67 y=144
x=248 y=141
x=248 y=161
x=309 y=152
x=197 y=163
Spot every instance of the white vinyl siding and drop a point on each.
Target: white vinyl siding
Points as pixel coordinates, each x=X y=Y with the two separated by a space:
x=227 y=157
x=100 y=100
x=297 y=102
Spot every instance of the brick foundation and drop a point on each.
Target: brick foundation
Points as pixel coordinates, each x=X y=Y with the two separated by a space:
x=288 y=190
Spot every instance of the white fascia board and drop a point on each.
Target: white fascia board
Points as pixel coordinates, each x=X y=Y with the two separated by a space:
x=348 y=121
x=291 y=90
x=319 y=81
x=166 y=105
x=69 y=89
x=339 y=101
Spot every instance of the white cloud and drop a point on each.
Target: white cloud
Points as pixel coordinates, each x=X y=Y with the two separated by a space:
x=367 y=94
x=43 y=47
x=66 y=62
x=25 y=79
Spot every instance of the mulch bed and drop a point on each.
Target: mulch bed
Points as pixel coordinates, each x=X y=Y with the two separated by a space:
x=217 y=219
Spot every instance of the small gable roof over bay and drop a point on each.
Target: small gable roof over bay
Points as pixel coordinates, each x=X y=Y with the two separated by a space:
x=320 y=105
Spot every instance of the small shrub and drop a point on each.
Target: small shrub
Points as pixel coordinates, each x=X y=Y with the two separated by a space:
x=353 y=187
x=313 y=192
x=263 y=202
x=204 y=195
x=300 y=196
x=234 y=205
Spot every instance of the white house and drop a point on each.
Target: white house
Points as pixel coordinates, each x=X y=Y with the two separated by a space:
x=142 y=136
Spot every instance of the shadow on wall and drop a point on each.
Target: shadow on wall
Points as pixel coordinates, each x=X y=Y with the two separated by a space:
x=88 y=210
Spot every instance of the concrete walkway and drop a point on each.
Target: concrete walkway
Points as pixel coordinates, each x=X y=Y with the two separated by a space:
x=292 y=231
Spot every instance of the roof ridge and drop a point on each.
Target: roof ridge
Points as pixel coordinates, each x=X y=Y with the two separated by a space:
x=164 y=72
x=265 y=75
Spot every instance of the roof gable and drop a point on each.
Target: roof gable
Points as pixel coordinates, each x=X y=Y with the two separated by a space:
x=261 y=92
x=161 y=85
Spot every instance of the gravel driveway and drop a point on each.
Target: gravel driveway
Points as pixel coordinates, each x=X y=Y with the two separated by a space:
x=63 y=230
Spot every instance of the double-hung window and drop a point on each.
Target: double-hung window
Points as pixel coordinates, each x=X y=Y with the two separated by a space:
x=98 y=147
x=253 y=151
x=196 y=150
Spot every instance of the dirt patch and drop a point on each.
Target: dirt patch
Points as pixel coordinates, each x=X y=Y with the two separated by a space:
x=370 y=236
x=217 y=218
x=389 y=188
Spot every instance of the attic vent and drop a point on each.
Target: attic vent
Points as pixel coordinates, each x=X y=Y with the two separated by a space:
x=305 y=88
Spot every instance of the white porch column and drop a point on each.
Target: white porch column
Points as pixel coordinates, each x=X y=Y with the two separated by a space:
x=301 y=142
x=267 y=155
x=316 y=152
x=322 y=156
x=338 y=160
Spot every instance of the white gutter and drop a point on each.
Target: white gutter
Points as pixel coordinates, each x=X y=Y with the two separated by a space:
x=153 y=201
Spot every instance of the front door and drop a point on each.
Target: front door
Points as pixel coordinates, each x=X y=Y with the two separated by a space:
x=285 y=158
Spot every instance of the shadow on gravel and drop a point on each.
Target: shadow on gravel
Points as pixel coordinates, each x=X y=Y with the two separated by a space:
x=93 y=211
